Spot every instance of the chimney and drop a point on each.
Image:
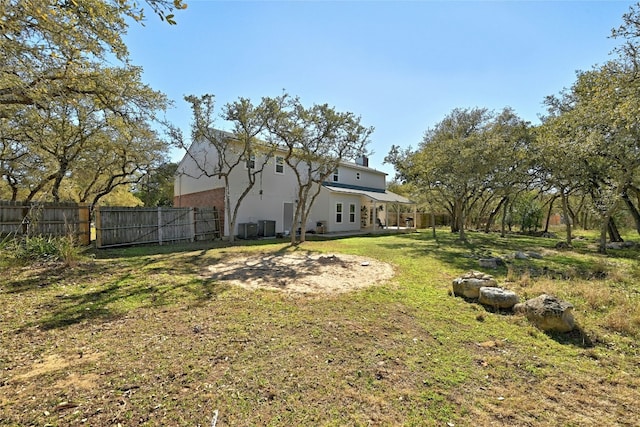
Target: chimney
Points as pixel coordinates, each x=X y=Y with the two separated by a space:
x=363 y=161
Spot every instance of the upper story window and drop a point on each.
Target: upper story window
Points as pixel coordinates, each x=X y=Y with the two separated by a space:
x=335 y=176
x=280 y=165
x=251 y=163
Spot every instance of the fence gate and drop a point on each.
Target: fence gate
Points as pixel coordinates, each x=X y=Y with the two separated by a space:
x=119 y=226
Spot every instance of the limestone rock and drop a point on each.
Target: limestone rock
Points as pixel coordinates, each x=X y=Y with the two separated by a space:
x=548 y=313
x=498 y=297
x=520 y=255
x=620 y=245
x=469 y=284
x=490 y=262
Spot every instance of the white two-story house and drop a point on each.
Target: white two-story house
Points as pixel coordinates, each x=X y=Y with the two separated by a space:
x=353 y=199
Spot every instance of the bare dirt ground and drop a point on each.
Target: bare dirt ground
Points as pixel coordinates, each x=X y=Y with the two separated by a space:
x=301 y=273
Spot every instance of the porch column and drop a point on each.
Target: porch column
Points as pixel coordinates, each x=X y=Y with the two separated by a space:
x=386 y=215
x=375 y=215
x=398 y=215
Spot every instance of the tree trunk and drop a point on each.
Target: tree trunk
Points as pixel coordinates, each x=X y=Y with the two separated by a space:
x=604 y=227
x=461 y=219
x=455 y=219
x=503 y=224
x=567 y=216
x=481 y=214
x=614 y=234
x=576 y=214
x=227 y=206
x=303 y=228
x=493 y=214
x=433 y=224
x=296 y=220
x=632 y=208
x=546 y=225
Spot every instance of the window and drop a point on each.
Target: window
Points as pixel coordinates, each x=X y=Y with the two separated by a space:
x=280 y=165
x=352 y=212
x=339 y=213
x=251 y=163
x=335 y=175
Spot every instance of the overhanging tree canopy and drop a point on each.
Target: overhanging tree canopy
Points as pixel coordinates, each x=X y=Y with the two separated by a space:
x=61 y=105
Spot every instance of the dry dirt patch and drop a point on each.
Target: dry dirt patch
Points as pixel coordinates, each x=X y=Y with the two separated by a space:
x=301 y=273
x=56 y=362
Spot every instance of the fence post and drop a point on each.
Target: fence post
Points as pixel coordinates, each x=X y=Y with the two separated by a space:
x=84 y=225
x=192 y=223
x=98 y=228
x=159 y=225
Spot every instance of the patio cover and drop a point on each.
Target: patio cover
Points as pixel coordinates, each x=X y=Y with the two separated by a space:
x=382 y=197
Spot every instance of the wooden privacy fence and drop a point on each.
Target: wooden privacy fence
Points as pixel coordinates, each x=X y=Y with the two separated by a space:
x=118 y=226
x=48 y=219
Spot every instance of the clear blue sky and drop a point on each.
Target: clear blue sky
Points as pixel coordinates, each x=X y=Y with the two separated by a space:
x=400 y=65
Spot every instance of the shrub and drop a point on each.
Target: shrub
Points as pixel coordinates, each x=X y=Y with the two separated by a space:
x=43 y=248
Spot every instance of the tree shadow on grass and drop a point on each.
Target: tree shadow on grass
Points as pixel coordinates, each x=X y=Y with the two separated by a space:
x=464 y=256
x=446 y=248
x=168 y=249
x=119 y=281
x=274 y=268
x=108 y=301
x=45 y=276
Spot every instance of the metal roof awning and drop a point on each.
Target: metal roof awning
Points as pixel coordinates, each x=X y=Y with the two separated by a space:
x=383 y=197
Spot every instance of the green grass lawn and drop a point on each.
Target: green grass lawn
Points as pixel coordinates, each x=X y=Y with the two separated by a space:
x=138 y=336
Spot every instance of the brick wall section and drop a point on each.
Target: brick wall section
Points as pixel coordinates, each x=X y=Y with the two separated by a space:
x=203 y=199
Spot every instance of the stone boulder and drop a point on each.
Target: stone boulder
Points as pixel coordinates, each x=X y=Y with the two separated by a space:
x=490 y=262
x=548 y=313
x=620 y=245
x=520 y=255
x=469 y=284
x=534 y=255
x=497 y=297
